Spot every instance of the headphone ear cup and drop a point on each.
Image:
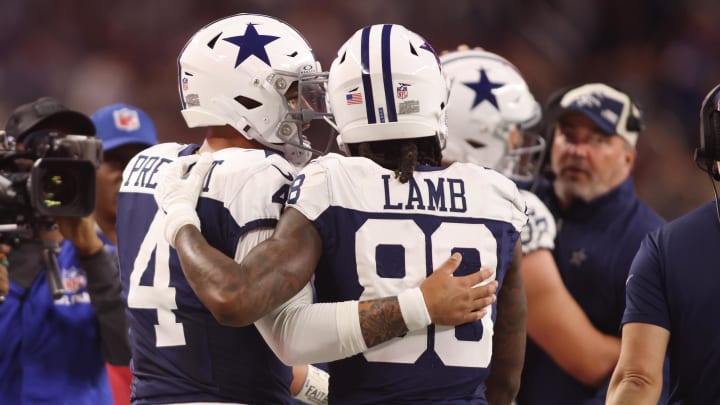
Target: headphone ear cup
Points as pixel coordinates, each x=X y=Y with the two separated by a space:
x=712 y=146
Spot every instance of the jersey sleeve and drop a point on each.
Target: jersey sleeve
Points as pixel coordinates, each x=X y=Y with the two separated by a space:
x=645 y=297
x=540 y=230
x=508 y=191
x=310 y=192
x=259 y=200
x=300 y=332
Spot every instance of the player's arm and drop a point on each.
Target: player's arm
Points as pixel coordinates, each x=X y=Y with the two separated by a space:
x=509 y=336
x=309 y=385
x=638 y=377
x=275 y=270
x=278 y=268
x=300 y=332
x=559 y=326
x=239 y=294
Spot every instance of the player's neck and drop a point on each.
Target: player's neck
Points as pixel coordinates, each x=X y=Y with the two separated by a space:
x=218 y=138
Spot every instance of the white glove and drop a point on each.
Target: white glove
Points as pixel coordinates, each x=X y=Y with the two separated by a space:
x=178 y=190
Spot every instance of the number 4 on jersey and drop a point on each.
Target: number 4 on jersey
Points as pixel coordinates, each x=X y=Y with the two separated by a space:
x=158 y=296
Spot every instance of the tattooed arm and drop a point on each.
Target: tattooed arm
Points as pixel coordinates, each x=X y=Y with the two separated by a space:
x=276 y=269
x=379 y=320
x=271 y=273
x=509 y=336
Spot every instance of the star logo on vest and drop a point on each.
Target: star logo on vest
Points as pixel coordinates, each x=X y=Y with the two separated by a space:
x=578 y=257
x=250 y=44
x=484 y=90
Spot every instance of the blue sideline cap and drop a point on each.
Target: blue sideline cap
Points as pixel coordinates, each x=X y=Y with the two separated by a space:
x=122 y=124
x=610 y=109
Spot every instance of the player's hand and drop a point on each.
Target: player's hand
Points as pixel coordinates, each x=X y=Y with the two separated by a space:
x=454 y=300
x=178 y=190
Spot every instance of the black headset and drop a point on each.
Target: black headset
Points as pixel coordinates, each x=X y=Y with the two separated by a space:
x=552 y=106
x=709 y=151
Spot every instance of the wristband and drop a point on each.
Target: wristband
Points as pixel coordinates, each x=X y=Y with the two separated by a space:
x=413 y=309
x=176 y=220
x=315 y=388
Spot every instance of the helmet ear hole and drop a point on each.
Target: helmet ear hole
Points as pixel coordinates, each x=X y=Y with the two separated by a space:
x=475 y=144
x=213 y=41
x=412 y=49
x=247 y=102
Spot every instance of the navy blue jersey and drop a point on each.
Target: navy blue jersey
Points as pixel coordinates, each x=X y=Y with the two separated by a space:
x=180 y=352
x=381 y=237
x=594 y=248
x=673 y=283
x=51 y=348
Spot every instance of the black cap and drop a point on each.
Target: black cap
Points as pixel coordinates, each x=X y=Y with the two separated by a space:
x=47 y=113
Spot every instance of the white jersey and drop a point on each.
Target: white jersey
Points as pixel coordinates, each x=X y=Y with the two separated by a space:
x=180 y=352
x=380 y=237
x=539 y=233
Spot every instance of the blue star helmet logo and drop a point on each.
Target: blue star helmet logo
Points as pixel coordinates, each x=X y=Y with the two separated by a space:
x=250 y=44
x=483 y=90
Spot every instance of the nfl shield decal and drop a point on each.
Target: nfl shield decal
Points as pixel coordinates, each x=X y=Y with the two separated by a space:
x=402 y=91
x=126 y=119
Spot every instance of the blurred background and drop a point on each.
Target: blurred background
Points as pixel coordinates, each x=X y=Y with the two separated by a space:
x=666 y=53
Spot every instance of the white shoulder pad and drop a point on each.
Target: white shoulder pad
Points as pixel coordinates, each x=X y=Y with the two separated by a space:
x=250 y=185
x=539 y=233
x=311 y=192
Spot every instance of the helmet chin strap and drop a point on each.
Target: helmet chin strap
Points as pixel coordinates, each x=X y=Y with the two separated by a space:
x=338 y=138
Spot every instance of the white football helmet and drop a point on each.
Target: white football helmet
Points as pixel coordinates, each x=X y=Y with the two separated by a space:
x=488 y=101
x=387 y=83
x=236 y=71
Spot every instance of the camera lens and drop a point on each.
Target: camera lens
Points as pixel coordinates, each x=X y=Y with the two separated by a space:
x=59 y=188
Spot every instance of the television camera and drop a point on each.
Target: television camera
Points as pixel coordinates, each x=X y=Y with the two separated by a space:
x=49 y=175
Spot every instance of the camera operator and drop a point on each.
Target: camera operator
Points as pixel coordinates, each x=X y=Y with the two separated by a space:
x=54 y=349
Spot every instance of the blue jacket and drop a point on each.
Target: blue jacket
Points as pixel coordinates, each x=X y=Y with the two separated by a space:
x=594 y=247
x=52 y=349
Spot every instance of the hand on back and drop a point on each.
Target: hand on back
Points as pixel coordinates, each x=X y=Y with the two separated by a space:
x=454 y=300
